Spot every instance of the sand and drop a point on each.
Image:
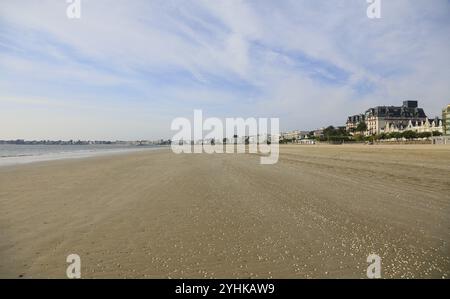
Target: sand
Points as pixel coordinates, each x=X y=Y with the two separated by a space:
x=318 y=213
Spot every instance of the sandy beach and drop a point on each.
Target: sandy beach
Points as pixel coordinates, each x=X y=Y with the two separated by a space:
x=318 y=213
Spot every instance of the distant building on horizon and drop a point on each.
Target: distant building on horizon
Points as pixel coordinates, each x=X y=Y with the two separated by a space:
x=294 y=135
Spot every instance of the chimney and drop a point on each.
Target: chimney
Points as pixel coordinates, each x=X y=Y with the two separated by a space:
x=410 y=104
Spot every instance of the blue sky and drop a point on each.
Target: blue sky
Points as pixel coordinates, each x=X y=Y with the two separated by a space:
x=127 y=68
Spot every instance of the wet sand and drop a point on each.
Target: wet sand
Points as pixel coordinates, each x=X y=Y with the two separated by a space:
x=318 y=213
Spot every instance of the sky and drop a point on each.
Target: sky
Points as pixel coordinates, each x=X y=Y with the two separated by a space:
x=126 y=69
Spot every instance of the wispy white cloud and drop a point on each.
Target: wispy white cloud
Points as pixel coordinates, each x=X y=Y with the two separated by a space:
x=309 y=62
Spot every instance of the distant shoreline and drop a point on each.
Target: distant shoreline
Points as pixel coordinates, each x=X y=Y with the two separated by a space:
x=42 y=156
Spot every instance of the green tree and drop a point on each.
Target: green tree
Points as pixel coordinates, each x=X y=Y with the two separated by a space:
x=424 y=135
x=361 y=127
x=409 y=135
x=394 y=135
x=332 y=134
x=359 y=138
x=382 y=136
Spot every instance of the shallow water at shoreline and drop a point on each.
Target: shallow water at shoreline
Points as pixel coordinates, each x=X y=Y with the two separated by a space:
x=11 y=154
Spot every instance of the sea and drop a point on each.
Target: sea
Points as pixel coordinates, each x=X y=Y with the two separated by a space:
x=12 y=154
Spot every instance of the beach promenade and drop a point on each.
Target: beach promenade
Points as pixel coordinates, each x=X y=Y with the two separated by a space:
x=318 y=213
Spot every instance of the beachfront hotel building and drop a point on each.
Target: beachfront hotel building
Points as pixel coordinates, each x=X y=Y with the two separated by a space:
x=446 y=120
x=353 y=122
x=427 y=126
x=379 y=118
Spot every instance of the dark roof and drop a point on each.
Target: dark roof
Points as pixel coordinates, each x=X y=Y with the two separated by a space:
x=356 y=118
x=396 y=111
